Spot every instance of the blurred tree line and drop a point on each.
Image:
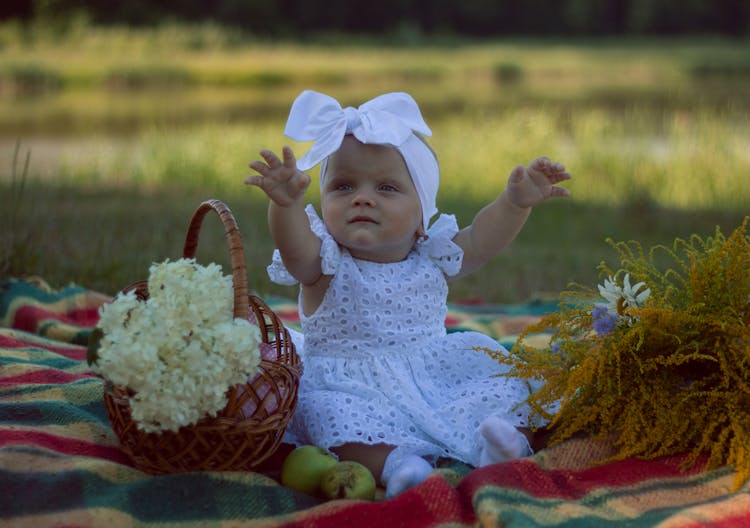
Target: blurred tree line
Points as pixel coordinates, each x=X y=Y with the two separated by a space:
x=290 y=18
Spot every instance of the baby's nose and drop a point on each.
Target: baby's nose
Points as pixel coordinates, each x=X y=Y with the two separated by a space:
x=363 y=198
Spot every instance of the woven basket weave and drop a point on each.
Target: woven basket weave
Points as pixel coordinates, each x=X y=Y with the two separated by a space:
x=249 y=429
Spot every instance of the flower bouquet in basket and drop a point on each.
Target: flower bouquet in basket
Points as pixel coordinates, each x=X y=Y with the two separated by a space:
x=198 y=374
x=655 y=360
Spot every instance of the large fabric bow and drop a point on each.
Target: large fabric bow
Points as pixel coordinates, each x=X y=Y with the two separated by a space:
x=389 y=119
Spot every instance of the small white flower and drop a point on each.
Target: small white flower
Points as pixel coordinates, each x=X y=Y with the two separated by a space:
x=619 y=298
x=636 y=295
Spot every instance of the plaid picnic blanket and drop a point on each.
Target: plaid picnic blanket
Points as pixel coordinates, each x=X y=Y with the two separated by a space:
x=60 y=464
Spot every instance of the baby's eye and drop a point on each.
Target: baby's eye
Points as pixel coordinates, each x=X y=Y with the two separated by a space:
x=387 y=187
x=343 y=187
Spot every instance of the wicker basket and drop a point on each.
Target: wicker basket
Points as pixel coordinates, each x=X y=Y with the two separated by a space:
x=249 y=429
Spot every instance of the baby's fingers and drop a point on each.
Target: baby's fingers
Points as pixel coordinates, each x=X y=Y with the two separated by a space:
x=559 y=191
x=270 y=158
x=259 y=167
x=558 y=177
x=289 y=160
x=557 y=167
x=541 y=163
x=254 y=180
x=547 y=166
x=301 y=183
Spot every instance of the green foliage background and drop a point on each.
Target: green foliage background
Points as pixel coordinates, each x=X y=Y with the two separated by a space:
x=127 y=129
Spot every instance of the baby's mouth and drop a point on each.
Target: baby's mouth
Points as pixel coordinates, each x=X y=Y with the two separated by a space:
x=366 y=219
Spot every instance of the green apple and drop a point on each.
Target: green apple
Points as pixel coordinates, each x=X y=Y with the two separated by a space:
x=304 y=467
x=348 y=480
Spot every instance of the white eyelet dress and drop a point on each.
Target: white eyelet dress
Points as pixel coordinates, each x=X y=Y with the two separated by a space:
x=379 y=366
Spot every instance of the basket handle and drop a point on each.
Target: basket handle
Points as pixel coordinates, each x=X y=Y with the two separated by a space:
x=236 y=253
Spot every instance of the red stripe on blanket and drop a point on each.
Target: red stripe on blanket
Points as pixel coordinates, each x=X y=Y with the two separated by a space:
x=45 y=377
x=66 y=446
x=288 y=316
x=28 y=317
x=739 y=521
x=451 y=321
x=431 y=503
x=708 y=521
x=527 y=476
x=77 y=353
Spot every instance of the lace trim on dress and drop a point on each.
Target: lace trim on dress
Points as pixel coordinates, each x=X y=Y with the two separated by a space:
x=440 y=247
x=330 y=252
x=278 y=273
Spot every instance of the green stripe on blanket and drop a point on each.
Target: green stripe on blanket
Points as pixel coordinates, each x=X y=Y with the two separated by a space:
x=60 y=463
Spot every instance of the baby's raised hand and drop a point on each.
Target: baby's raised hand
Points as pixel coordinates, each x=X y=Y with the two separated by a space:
x=280 y=180
x=528 y=186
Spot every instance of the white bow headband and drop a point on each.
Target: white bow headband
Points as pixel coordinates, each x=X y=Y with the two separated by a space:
x=390 y=119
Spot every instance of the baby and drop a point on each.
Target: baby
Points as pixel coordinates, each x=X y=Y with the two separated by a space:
x=384 y=384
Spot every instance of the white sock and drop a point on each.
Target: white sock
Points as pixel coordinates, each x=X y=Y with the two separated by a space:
x=502 y=442
x=402 y=472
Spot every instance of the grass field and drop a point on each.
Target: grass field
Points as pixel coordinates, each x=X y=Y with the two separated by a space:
x=126 y=132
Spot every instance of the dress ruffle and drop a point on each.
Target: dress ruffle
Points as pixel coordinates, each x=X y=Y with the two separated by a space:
x=278 y=273
x=330 y=252
x=440 y=247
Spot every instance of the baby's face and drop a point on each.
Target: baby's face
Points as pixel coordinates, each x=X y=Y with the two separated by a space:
x=369 y=202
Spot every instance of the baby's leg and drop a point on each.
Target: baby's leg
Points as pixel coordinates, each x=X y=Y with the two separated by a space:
x=371 y=456
x=502 y=442
x=396 y=469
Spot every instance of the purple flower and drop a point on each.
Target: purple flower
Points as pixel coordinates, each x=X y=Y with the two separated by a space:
x=604 y=322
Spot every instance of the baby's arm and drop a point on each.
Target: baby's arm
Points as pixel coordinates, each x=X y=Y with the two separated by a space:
x=285 y=185
x=499 y=222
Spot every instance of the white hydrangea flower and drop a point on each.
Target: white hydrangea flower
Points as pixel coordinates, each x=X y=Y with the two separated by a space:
x=181 y=350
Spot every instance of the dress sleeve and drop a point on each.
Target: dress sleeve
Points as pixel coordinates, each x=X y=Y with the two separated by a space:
x=330 y=252
x=440 y=247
